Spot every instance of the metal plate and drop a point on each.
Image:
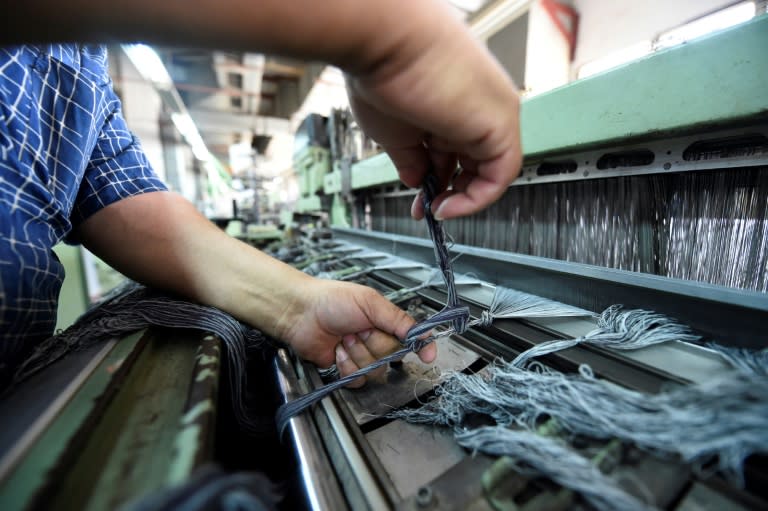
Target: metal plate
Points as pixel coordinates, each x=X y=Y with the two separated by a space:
x=430 y=452
x=407 y=382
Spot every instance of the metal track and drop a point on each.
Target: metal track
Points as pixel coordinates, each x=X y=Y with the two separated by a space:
x=732 y=317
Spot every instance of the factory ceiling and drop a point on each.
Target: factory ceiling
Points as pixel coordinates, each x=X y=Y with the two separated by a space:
x=230 y=95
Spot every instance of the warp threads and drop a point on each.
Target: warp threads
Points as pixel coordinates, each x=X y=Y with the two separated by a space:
x=559 y=463
x=619 y=329
x=709 y=226
x=510 y=303
x=131 y=308
x=725 y=417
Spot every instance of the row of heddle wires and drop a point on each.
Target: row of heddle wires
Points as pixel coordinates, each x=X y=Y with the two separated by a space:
x=716 y=228
x=708 y=226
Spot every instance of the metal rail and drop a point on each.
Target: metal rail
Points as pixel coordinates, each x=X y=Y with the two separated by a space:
x=733 y=317
x=321 y=489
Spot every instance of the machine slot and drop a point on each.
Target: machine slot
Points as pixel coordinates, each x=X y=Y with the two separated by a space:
x=727 y=147
x=626 y=159
x=552 y=168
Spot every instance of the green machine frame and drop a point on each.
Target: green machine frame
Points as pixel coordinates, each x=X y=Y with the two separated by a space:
x=717 y=81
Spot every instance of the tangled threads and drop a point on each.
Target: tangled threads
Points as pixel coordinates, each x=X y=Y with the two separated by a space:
x=542 y=455
x=132 y=308
x=724 y=418
x=621 y=330
x=745 y=360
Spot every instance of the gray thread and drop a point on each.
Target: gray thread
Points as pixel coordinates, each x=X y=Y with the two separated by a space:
x=725 y=417
x=556 y=461
x=131 y=308
x=394 y=263
x=454 y=312
x=618 y=329
x=745 y=360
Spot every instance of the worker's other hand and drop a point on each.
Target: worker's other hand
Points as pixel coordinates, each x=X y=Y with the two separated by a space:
x=346 y=324
x=439 y=98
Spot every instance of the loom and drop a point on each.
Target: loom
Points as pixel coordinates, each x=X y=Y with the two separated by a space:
x=645 y=186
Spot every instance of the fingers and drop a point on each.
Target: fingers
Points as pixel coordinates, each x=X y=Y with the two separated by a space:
x=383 y=314
x=346 y=365
x=360 y=350
x=428 y=353
x=475 y=191
x=411 y=164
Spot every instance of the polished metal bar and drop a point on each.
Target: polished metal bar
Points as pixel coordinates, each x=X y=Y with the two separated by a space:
x=321 y=488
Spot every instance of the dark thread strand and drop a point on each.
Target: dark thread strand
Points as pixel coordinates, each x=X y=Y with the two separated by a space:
x=131 y=308
x=454 y=313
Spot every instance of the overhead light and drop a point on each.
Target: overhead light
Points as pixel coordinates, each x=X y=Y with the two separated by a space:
x=720 y=20
x=188 y=130
x=467 y=5
x=497 y=17
x=149 y=64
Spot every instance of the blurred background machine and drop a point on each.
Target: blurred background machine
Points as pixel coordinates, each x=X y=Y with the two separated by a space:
x=645 y=185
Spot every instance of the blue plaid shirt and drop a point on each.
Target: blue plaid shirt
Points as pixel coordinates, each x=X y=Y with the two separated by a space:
x=65 y=153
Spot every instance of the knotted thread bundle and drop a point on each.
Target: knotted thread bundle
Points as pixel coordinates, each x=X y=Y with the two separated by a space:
x=133 y=307
x=621 y=330
x=454 y=313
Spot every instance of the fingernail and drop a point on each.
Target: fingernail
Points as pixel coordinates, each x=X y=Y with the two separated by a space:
x=364 y=335
x=349 y=340
x=341 y=354
x=438 y=214
x=415 y=204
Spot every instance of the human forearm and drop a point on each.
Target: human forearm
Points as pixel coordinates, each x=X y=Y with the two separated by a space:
x=161 y=240
x=357 y=35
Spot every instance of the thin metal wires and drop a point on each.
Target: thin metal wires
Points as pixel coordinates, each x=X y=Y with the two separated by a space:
x=708 y=226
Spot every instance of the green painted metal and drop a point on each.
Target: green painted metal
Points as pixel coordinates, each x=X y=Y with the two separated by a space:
x=373 y=171
x=17 y=490
x=73 y=299
x=130 y=450
x=143 y=419
x=332 y=182
x=339 y=212
x=194 y=440
x=717 y=79
x=308 y=204
x=312 y=164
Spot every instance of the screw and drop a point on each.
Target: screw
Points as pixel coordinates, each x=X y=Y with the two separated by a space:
x=424 y=496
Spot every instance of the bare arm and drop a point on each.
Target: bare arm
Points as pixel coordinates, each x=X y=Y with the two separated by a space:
x=419 y=84
x=160 y=239
x=336 y=31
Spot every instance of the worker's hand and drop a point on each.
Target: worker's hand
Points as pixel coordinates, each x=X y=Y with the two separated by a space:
x=346 y=324
x=439 y=100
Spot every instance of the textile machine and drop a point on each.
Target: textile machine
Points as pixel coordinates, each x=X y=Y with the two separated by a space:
x=645 y=186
